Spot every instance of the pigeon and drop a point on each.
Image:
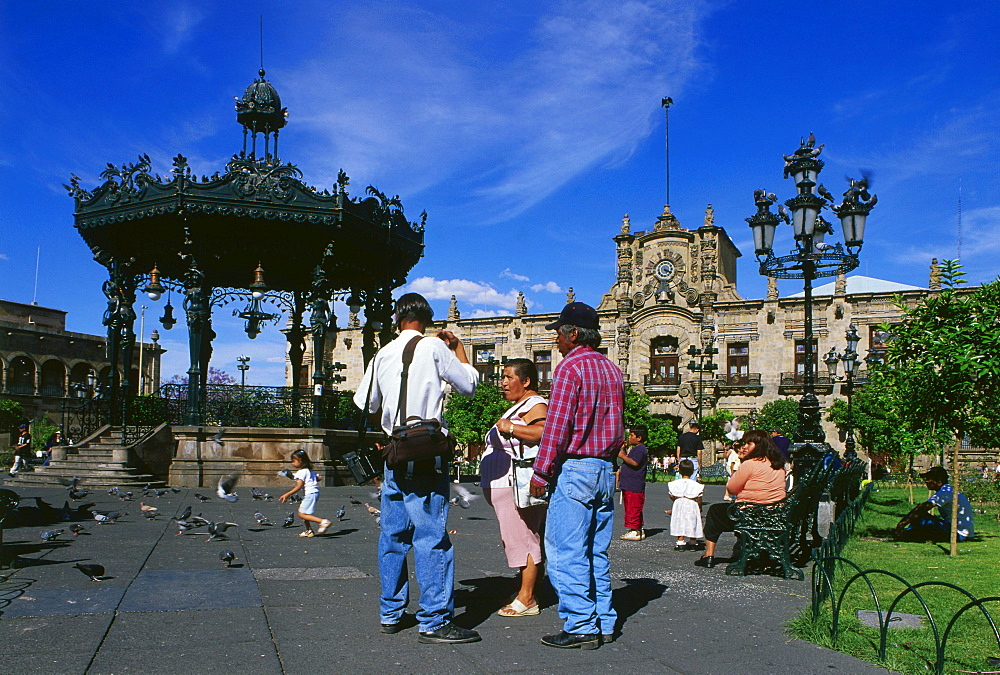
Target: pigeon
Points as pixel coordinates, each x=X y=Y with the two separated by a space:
x=76 y=528
x=824 y=193
x=218 y=530
x=372 y=510
x=150 y=515
x=127 y=497
x=95 y=572
x=202 y=498
x=462 y=496
x=51 y=535
x=286 y=473
x=227 y=557
x=262 y=519
x=147 y=507
x=354 y=501
x=823 y=246
x=185 y=525
x=77 y=495
x=254 y=495
x=149 y=486
x=376 y=495
x=197 y=521
x=160 y=493
x=289 y=520
x=266 y=497
x=71 y=483
x=175 y=490
x=733 y=431
x=113 y=515
x=217 y=438
x=226 y=487
x=341 y=513
x=113 y=491
x=186 y=513
x=102 y=519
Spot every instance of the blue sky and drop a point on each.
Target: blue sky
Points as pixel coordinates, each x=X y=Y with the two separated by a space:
x=525 y=129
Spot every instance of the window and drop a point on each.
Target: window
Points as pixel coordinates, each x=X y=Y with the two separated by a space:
x=738 y=362
x=663 y=361
x=800 y=359
x=482 y=358
x=543 y=362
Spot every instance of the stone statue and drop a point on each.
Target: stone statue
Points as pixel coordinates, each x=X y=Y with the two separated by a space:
x=521 y=308
x=626 y=225
x=570 y=296
x=840 y=287
x=453 y=313
x=772 y=288
x=935 y=281
x=709 y=216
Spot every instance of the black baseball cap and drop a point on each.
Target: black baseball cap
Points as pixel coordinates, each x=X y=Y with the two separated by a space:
x=576 y=314
x=937 y=473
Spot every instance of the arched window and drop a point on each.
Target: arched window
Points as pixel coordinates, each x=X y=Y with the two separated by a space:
x=21 y=376
x=663 y=360
x=82 y=379
x=53 y=378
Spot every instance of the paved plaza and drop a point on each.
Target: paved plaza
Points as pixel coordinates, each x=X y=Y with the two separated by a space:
x=296 y=605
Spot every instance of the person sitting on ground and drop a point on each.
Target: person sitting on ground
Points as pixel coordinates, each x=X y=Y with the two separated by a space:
x=759 y=480
x=685 y=516
x=514 y=437
x=920 y=525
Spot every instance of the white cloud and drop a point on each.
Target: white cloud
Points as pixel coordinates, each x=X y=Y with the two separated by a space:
x=507 y=274
x=472 y=292
x=548 y=287
x=4 y=256
x=179 y=26
x=486 y=313
x=579 y=87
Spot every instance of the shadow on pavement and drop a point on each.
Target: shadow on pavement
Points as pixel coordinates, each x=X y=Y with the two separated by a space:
x=633 y=596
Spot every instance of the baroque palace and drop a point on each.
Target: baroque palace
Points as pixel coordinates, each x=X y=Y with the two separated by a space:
x=676 y=289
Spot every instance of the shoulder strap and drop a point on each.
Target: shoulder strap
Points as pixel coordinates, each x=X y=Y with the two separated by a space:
x=408 y=350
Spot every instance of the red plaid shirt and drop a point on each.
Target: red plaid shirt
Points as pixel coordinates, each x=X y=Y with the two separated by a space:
x=584 y=416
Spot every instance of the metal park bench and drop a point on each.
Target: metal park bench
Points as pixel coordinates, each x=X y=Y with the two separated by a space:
x=770 y=534
x=717 y=470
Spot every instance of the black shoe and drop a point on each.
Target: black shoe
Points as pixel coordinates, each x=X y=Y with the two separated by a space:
x=705 y=561
x=405 y=621
x=449 y=633
x=566 y=640
x=693 y=546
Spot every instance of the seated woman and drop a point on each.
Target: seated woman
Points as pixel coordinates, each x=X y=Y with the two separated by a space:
x=760 y=479
x=516 y=434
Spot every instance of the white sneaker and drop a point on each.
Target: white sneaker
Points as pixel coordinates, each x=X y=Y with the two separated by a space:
x=633 y=535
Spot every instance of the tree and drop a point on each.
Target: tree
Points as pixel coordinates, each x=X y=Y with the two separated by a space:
x=11 y=414
x=662 y=435
x=782 y=413
x=469 y=418
x=944 y=361
x=713 y=425
x=215 y=376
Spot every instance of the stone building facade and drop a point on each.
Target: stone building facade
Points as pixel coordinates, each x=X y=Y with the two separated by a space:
x=42 y=364
x=676 y=288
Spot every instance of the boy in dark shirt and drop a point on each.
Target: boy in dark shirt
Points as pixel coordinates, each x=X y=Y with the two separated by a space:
x=689 y=446
x=632 y=481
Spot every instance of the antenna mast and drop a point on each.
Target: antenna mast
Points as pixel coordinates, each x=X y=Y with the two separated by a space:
x=666 y=102
x=262 y=41
x=959 y=220
x=38 y=257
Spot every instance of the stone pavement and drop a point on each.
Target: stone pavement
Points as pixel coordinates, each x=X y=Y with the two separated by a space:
x=296 y=605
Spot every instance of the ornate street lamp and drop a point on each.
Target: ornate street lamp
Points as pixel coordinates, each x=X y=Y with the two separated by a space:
x=243 y=368
x=850 y=359
x=703 y=365
x=812 y=258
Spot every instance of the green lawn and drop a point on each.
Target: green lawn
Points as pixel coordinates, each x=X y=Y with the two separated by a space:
x=976 y=569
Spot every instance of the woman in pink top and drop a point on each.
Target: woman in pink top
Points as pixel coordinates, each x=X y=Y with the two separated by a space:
x=760 y=480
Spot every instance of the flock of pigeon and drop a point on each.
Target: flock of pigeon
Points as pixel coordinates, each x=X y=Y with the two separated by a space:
x=186 y=521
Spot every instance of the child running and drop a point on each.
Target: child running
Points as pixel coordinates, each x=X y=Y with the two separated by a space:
x=305 y=479
x=685 y=517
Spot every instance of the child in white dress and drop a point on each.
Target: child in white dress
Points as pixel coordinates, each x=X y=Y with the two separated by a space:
x=685 y=516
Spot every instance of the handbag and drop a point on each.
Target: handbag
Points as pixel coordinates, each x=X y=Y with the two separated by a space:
x=522 y=469
x=416 y=440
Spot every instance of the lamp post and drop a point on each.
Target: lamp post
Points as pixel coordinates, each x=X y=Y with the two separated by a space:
x=850 y=359
x=812 y=257
x=243 y=368
x=703 y=365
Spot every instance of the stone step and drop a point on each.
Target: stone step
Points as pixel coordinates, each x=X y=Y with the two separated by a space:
x=89 y=480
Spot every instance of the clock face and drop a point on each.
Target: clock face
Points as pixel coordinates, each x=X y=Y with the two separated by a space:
x=664 y=270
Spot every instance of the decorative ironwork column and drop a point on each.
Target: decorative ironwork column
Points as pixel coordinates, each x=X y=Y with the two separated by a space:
x=198 y=309
x=319 y=322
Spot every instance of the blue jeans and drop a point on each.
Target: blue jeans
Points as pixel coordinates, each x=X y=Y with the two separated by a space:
x=581 y=516
x=415 y=515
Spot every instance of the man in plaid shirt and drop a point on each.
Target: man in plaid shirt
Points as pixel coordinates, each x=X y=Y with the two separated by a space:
x=583 y=431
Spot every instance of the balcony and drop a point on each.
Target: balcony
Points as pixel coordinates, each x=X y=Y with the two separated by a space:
x=794 y=383
x=739 y=385
x=655 y=383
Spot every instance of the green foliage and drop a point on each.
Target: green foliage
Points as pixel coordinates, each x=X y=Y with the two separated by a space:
x=782 y=413
x=713 y=425
x=11 y=414
x=42 y=429
x=944 y=359
x=470 y=418
x=662 y=435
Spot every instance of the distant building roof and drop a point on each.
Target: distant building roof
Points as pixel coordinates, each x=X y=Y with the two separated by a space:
x=861 y=284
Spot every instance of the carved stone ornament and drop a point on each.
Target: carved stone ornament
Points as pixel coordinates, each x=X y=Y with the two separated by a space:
x=840 y=286
x=666 y=221
x=626 y=225
x=521 y=308
x=709 y=216
x=772 y=288
x=453 y=313
x=570 y=296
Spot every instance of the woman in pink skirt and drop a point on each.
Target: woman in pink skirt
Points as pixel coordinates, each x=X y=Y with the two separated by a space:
x=516 y=434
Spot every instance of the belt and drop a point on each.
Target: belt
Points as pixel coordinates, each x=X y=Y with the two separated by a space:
x=603 y=459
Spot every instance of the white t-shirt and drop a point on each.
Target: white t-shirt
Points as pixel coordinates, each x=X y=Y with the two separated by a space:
x=433 y=366
x=309 y=478
x=686 y=488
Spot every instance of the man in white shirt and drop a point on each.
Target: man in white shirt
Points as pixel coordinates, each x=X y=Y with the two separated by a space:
x=415 y=506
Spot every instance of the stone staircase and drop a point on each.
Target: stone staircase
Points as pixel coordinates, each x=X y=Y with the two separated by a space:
x=93 y=461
